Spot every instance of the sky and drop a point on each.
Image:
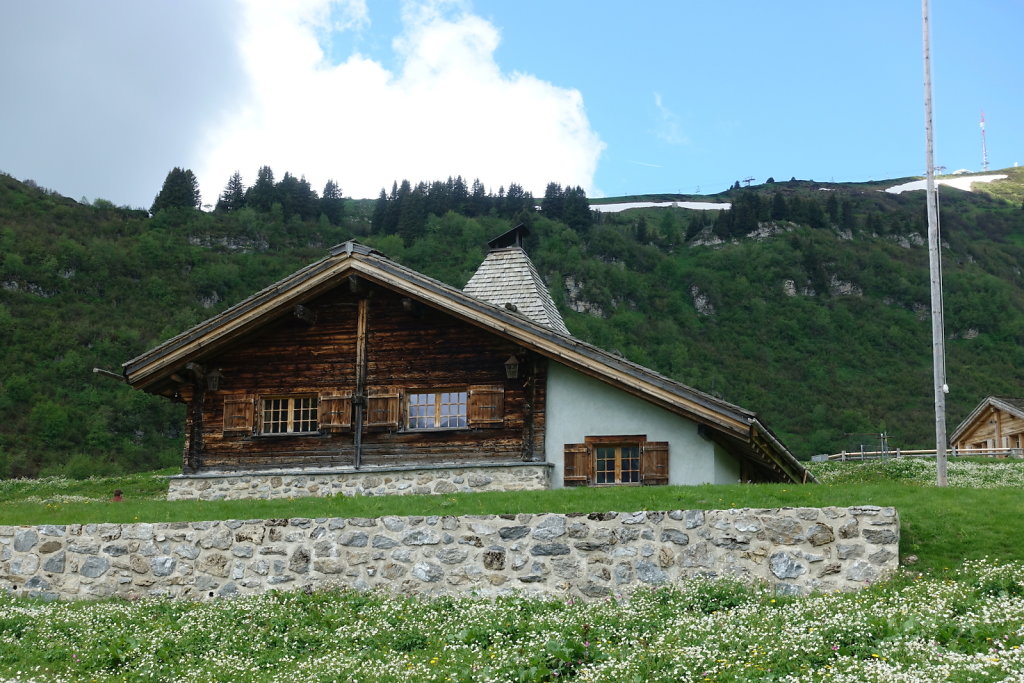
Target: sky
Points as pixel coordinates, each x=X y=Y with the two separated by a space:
x=102 y=99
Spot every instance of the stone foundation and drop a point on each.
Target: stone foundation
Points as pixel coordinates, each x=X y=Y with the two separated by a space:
x=794 y=550
x=370 y=481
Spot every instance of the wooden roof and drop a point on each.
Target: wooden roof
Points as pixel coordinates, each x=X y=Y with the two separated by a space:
x=160 y=369
x=1014 y=406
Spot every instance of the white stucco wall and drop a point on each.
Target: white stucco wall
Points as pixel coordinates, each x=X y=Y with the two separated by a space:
x=579 y=406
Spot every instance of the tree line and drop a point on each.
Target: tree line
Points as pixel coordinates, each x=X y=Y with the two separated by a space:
x=405 y=210
x=295 y=196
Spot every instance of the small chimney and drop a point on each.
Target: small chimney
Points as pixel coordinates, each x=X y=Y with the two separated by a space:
x=512 y=238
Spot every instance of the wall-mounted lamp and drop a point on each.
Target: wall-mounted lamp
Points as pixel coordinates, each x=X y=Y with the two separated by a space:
x=512 y=367
x=213 y=379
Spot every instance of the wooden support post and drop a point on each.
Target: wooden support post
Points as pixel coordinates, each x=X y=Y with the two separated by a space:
x=529 y=412
x=359 y=401
x=194 y=439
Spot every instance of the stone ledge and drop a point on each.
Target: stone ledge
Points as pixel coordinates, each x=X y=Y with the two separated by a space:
x=585 y=556
x=367 y=481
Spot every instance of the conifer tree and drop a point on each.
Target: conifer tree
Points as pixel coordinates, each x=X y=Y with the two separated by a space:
x=779 y=208
x=332 y=202
x=378 y=223
x=576 y=209
x=233 y=197
x=553 y=204
x=262 y=195
x=180 y=190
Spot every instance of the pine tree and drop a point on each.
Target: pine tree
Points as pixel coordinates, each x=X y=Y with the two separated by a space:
x=477 y=204
x=832 y=208
x=553 y=204
x=295 y=196
x=332 y=203
x=180 y=190
x=378 y=223
x=233 y=197
x=779 y=208
x=576 y=210
x=262 y=195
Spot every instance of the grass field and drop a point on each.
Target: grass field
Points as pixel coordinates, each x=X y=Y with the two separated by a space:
x=956 y=614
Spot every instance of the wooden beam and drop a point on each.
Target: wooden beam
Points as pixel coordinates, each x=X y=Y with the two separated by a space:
x=359 y=400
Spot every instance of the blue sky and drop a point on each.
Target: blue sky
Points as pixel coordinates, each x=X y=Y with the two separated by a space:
x=649 y=97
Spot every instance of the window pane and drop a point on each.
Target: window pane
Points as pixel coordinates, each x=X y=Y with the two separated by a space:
x=422 y=411
x=605 y=465
x=275 y=415
x=453 y=409
x=630 y=464
x=303 y=414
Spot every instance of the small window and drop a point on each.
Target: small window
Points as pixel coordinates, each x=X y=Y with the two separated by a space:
x=436 y=410
x=289 y=415
x=616 y=460
x=617 y=464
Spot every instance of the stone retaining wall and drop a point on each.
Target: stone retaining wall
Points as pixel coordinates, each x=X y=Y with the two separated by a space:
x=378 y=481
x=795 y=550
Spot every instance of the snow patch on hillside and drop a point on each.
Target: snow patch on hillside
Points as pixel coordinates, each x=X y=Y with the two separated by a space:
x=960 y=183
x=696 y=206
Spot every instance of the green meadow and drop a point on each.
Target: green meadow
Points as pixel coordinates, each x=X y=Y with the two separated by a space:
x=954 y=612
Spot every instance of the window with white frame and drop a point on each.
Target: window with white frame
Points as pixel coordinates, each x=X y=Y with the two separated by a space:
x=289 y=415
x=436 y=410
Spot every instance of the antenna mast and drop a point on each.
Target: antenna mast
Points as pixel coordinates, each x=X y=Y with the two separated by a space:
x=984 y=145
x=935 y=265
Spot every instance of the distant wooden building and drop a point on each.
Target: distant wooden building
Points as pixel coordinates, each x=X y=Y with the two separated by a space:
x=357 y=363
x=997 y=423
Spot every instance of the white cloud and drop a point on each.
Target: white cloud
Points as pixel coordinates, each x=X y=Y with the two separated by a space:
x=447 y=109
x=668 y=128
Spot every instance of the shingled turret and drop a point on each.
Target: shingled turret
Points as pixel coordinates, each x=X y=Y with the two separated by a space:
x=508 y=278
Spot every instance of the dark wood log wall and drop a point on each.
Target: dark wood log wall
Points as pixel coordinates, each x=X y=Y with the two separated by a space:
x=409 y=347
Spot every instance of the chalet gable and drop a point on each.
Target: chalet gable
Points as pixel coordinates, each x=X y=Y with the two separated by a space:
x=997 y=422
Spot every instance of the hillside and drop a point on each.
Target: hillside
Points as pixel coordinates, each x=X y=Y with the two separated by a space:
x=807 y=302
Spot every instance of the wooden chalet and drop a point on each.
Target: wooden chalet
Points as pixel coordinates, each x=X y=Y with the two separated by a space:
x=358 y=363
x=995 y=426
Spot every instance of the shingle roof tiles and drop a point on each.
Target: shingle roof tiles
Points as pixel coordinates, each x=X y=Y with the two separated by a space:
x=507 y=276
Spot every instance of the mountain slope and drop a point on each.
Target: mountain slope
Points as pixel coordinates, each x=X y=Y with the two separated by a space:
x=806 y=302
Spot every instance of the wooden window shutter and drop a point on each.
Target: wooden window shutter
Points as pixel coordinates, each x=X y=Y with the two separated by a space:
x=382 y=407
x=654 y=463
x=335 y=414
x=486 y=406
x=577 y=465
x=239 y=414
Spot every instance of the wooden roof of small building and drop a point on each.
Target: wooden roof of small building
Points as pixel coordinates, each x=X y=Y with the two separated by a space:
x=1014 y=406
x=161 y=369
